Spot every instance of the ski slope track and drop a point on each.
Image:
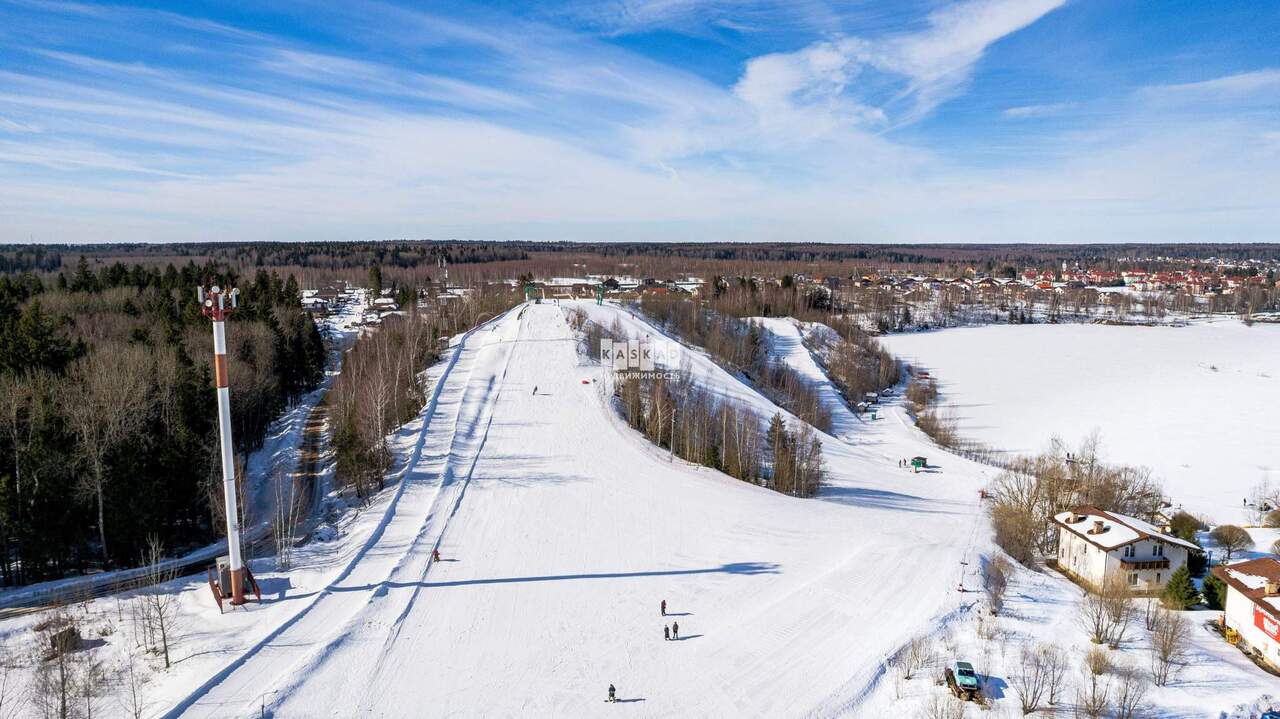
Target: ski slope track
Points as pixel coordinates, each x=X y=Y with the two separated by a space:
x=561 y=530
x=786 y=342
x=399 y=540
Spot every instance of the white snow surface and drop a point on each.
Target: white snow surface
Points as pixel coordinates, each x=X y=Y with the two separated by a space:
x=1197 y=404
x=561 y=530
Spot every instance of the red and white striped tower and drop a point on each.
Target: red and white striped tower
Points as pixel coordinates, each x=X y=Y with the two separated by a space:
x=216 y=304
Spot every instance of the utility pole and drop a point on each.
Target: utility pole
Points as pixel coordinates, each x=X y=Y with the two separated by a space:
x=216 y=304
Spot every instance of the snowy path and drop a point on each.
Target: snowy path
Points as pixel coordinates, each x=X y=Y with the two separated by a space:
x=561 y=530
x=399 y=547
x=787 y=343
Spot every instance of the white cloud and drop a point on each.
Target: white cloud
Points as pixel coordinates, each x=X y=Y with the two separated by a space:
x=930 y=66
x=1024 y=112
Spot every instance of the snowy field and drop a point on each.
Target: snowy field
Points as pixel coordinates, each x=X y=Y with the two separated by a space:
x=1198 y=404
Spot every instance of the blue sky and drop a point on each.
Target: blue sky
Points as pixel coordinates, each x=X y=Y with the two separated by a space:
x=905 y=121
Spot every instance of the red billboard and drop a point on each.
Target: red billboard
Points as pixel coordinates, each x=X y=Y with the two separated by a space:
x=1266 y=623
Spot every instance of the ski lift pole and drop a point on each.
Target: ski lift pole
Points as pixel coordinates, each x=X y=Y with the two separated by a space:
x=216 y=304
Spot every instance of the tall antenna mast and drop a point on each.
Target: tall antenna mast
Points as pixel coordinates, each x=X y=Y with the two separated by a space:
x=443 y=264
x=216 y=304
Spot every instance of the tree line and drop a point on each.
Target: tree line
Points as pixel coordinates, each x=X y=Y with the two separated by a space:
x=701 y=427
x=712 y=431
x=108 y=429
x=854 y=360
x=740 y=346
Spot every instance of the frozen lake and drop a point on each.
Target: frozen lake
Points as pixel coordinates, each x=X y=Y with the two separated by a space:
x=1199 y=405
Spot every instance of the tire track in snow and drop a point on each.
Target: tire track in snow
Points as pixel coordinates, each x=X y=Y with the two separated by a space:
x=191 y=705
x=373 y=621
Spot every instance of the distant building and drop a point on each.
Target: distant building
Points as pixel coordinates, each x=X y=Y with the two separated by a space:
x=1093 y=544
x=1252 y=608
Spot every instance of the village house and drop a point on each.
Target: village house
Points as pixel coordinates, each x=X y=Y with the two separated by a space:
x=1093 y=544
x=1252 y=607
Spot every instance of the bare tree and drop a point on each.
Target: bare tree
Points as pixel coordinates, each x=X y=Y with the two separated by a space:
x=1169 y=640
x=133 y=694
x=285 y=518
x=90 y=682
x=13 y=698
x=1091 y=615
x=53 y=686
x=916 y=655
x=102 y=405
x=1055 y=662
x=1117 y=602
x=1231 y=538
x=157 y=603
x=1031 y=678
x=995 y=580
x=1130 y=689
x=1093 y=695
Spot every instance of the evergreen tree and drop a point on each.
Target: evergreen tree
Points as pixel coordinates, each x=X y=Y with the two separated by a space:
x=1215 y=592
x=375 y=280
x=1180 y=592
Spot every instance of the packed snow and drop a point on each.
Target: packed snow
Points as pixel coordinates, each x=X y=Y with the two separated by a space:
x=1196 y=404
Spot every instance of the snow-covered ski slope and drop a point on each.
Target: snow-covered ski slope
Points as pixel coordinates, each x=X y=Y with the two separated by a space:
x=560 y=532
x=786 y=342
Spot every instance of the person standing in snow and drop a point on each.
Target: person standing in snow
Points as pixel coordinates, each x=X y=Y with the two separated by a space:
x=535 y=389
x=666 y=632
x=612 y=694
x=675 y=631
x=435 y=555
x=664 y=607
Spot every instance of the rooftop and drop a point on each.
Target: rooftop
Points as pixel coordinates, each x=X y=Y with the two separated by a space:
x=1117 y=529
x=1250 y=578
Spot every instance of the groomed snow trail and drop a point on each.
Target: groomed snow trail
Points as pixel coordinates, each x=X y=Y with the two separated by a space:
x=786 y=342
x=561 y=530
x=399 y=546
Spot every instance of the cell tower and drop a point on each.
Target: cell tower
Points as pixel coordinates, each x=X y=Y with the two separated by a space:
x=216 y=304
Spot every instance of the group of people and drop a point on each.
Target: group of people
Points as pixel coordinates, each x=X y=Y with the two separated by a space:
x=669 y=633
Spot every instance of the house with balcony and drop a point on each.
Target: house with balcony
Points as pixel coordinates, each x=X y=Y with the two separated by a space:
x=1094 y=544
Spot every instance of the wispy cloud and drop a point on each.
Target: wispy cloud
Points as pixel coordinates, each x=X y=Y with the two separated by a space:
x=489 y=125
x=1051 y=109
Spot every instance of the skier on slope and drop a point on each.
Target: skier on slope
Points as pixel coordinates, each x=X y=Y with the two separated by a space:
x=675 y=631
x=435 y=555
x=666 y=632
x=664 y=607
x=612 y=694
x=535 y=389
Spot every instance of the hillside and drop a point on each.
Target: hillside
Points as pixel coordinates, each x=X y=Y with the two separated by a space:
x=554 y=561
